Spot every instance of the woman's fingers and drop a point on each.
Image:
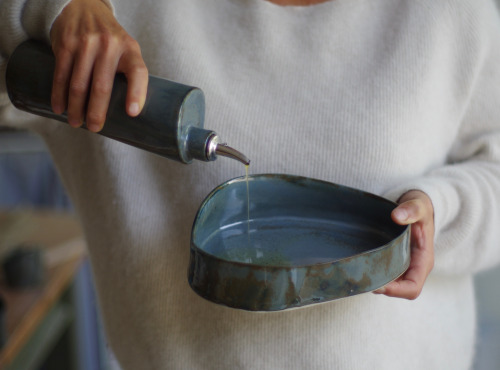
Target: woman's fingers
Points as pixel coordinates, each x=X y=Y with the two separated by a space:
x=60 y=83
x=411 y=283
x=132 y=65
x=102 y=85
x=415 y=210
x=90 y=48
x=79 y=85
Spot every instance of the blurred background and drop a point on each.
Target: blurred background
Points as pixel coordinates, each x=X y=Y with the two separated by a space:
x=63 y=307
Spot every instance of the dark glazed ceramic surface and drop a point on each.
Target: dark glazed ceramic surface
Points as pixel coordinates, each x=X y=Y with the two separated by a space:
x=301 y=241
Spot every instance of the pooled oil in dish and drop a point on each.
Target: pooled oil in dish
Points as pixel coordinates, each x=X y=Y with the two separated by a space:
x=290 y=241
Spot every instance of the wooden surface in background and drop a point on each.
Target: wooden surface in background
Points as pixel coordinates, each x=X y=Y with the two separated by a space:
x=60 y=236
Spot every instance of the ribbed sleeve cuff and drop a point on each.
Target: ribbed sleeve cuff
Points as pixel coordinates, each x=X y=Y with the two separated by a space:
x=22 y=20
x=38 y=17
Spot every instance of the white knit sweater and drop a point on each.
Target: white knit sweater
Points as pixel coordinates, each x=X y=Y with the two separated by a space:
x=382 y=95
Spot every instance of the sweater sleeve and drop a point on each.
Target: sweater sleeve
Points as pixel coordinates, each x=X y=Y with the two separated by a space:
x=22 y=20
x=466 y=191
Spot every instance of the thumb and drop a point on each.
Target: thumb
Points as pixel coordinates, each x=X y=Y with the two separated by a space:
x=408 y=212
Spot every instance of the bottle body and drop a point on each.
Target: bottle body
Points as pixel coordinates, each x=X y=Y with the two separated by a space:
x=170 y=124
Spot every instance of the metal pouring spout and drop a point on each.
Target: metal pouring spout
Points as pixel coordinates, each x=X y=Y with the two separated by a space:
x=215 y=148
x=227 y=151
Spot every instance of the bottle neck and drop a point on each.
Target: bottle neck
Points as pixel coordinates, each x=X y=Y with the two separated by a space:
x=205 y=145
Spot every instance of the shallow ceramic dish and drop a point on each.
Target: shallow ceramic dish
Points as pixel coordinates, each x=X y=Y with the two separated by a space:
x=298 y=241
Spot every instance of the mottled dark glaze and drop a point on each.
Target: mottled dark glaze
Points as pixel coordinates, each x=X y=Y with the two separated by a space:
x=264 y=287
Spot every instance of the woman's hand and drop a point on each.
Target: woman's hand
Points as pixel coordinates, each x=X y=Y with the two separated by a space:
x=90 y=46
x=415 y=208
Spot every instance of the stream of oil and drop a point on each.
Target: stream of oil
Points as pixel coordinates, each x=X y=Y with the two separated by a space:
x=248 y=204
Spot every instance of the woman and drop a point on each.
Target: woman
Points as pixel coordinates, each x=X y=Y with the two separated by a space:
x=393 y=97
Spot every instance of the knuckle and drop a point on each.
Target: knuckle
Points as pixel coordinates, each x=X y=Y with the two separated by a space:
x=65 y=46
x=106 y=38
x=61 y=52
x=108 y=41
x=88 y=43
x=59 y=79
x=414 y=294
x=78 y=89
x=132 y=48
x=85 y=40
x=131 y=44
x=414 y=205
x=101 y=88
x=138 y=69
x=94 y=117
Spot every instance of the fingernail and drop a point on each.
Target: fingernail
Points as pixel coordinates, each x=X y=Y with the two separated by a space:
x=133 y=109
x=401 y=214
x=379 y=291
x=57 y=109
x=93 y=127
x=74 y=123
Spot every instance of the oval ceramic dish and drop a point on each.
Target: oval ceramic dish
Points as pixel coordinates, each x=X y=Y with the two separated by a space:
x=300 y=241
